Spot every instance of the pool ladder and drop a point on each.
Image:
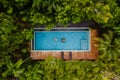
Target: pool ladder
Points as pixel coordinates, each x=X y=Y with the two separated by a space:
x=62 y=55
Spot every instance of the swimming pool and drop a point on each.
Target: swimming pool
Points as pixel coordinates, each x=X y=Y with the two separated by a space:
x=62 y=39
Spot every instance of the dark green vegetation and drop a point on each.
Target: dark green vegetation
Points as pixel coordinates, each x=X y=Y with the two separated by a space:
x=17 y=17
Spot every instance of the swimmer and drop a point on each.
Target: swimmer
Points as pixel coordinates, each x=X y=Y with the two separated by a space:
x=63 y=39
x=55 y=39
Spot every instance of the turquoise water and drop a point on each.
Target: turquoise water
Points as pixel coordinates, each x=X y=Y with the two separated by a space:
x=61 y=40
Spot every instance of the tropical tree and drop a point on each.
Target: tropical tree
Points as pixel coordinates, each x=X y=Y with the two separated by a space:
x=18 y=18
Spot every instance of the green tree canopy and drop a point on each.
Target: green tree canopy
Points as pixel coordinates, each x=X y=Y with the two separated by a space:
x=62 y=12
x=17 y=17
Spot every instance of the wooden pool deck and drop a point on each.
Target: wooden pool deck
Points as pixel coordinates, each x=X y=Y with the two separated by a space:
x=68 y=55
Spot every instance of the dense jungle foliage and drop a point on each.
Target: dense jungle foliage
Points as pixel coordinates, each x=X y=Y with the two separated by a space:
x=18 y=18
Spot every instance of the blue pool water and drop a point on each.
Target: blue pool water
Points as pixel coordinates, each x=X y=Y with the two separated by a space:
x=61 y=40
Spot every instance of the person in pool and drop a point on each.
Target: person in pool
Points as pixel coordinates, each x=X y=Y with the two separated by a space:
x=55 y=39
x=63 y=39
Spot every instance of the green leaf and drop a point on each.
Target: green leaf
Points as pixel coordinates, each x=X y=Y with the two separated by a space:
x=7 y=73
x=10 y=10
x=10 y=65
x=24 y=50
x=18 y=72
x=18 y=64
x=24 y=19
x=40 y=71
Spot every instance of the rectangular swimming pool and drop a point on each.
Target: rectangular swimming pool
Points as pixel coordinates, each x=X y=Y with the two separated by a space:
x=62 y=39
